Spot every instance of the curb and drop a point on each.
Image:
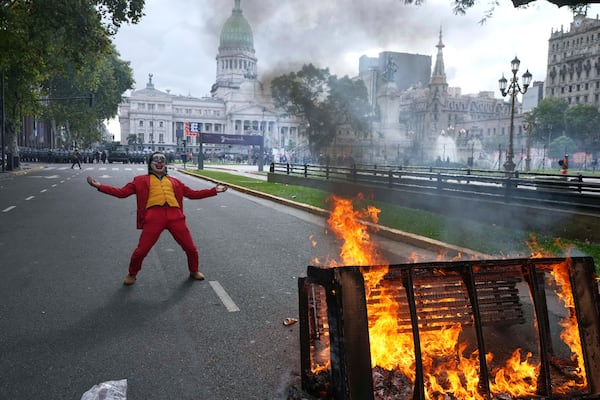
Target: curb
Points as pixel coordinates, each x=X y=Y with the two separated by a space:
x=390 y=233
x=20 y=172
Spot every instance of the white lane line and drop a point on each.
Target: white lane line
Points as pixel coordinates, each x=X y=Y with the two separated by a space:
x=43 y=190
x=30 y=197
x=227 y=302
x=9 y=208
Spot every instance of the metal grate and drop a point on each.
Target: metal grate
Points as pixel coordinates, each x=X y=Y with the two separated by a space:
x=494 y=299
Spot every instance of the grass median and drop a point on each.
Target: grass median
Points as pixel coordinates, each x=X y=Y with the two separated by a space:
x=490 y=239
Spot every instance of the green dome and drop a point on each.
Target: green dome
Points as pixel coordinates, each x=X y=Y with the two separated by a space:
x=236 y=32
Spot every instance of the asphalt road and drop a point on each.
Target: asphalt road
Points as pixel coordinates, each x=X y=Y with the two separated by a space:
x=67 y=322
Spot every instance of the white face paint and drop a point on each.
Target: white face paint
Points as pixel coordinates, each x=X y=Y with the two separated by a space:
x=158 y=164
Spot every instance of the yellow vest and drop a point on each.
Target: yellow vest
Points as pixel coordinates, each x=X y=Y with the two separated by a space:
x=161 y=193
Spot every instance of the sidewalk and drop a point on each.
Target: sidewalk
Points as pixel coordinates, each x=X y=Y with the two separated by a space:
x=240 y=169
x=24 y=168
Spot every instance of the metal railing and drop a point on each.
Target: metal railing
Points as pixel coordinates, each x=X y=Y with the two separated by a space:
x=567 y=191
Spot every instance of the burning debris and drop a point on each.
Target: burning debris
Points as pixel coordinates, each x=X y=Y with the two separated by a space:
x=370 y=330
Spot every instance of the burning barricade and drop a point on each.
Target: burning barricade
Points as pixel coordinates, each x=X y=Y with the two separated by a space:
x=478 y=329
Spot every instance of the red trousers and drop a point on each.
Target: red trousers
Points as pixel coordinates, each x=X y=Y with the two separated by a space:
x=157 y=220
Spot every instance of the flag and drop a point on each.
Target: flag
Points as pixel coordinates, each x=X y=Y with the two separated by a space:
x=193 y=128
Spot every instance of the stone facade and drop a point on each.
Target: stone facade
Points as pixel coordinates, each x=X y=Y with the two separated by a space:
x=151 y=119
x=573 y=71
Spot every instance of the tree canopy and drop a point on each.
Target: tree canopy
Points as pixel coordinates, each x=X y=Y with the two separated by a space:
x=325 y=102
x=559 y=126
x=53 y=49
x=548 y=117
x=462 y=6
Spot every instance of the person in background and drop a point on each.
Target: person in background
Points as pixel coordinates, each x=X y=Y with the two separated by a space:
x=75 y=158
x=159 y=207
x=564 y=164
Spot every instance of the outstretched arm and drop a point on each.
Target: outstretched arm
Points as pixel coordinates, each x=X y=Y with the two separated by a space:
x=123 y=192
x=202 y=193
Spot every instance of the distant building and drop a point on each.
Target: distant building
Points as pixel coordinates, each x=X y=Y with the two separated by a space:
x=573 y=71
x=420 y=119
x=533 y=96
x=151 y=119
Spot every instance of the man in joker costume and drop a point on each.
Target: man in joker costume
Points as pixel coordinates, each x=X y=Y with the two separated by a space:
x=159 y=207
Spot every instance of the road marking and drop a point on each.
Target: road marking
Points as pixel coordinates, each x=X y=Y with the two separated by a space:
x=43 y=190
x=227 y=302
x=30 y=197
x=9 y=208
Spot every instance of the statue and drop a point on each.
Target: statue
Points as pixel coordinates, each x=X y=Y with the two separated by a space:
x=390 y=70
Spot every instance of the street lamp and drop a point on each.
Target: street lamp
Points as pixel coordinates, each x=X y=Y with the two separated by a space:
x=513 y=89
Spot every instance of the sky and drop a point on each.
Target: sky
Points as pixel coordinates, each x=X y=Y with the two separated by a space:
x=177 y=40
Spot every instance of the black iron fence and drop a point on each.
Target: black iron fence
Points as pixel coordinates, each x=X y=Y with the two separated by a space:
x=556 y=190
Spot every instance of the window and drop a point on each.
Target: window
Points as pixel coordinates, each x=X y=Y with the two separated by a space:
x=141 y=124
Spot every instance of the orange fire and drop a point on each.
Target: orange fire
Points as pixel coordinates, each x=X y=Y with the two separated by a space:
x=570 y=333
x=450 y=370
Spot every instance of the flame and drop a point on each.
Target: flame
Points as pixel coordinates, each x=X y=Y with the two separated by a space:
x=536 y=251
x=570 y=333
x=517 y=378
x=450 y=372
x=349 y=224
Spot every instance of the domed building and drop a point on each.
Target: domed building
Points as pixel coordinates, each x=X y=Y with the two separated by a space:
x=236 y=61
x=238 y=107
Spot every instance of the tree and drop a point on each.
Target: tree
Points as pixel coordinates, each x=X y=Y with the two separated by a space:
x=582 y=123
x=560 y=146
x=462 y=6
x=80 y=100
x=548 y=119
x=325 y=102
x=43 y=40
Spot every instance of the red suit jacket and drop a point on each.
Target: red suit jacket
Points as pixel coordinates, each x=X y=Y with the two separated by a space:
x=140 y=186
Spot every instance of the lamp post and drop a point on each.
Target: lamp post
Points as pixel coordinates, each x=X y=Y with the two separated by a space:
x=513 y=89
x=3 y=126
